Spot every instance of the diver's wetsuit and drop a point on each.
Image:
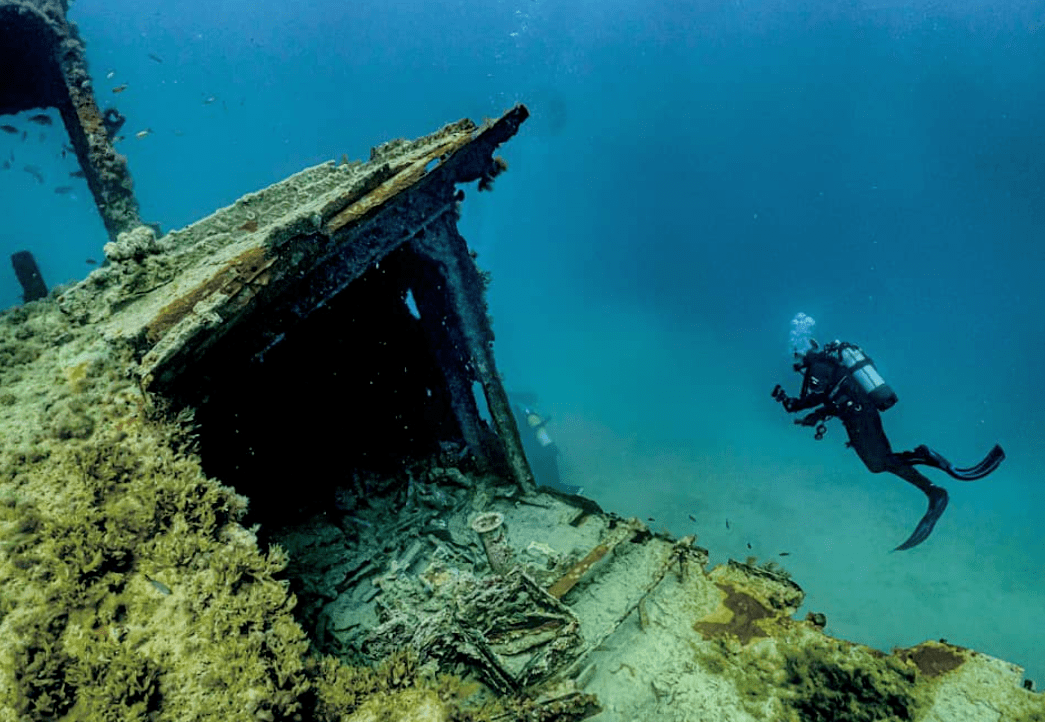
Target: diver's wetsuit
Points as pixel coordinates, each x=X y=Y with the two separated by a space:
x=829 y=384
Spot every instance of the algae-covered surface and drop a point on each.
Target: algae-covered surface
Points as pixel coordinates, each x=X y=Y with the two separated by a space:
x=130 y=589
x=128 y=586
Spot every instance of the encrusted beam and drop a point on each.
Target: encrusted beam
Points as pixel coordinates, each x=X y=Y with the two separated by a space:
x=44 y=65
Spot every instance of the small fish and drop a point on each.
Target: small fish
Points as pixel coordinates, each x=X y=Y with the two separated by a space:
x=157 y=58
x=143 y=133
x=209 y=99
x=41 y=119
x=785 y=554
x=160 y=586
x=110 y=75
x=749 y=545
x=118 y=138
x=91 y=262
x=727 y=523
x=120 y=88
x=9 y=129
x=34 y=172
x=692 y=518
x=250 y=226
x=7 y=165
x=77 y=174
x=62 y=190
x=651 y=518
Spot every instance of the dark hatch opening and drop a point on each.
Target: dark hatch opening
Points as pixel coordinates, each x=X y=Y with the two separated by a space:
x=353 y=388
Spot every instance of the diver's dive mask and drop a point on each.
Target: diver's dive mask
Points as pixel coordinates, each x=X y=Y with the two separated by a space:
x=802 y=358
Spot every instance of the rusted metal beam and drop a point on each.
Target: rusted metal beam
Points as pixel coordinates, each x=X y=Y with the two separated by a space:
x=44 y=65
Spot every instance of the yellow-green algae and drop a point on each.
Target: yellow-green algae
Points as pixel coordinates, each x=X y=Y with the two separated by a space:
x=128 y=588
x=788 y=669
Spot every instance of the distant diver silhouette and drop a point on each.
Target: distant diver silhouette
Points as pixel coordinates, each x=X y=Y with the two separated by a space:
x=844 y=382
x=541 y=451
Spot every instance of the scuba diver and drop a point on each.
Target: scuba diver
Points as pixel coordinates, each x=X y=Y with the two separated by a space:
x=842 y=381
x=541 y=451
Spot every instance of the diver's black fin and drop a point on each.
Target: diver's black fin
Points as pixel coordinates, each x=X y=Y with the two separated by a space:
x=937 y=503
x=924 y=455
x=990 y=462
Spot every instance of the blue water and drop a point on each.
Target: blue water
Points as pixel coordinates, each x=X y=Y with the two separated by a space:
x=690 y=180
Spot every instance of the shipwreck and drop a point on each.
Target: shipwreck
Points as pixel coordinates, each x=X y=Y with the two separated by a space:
x=264 y=468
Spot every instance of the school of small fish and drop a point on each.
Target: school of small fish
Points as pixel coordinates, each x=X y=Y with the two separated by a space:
x=43 y=120
x=46 y=120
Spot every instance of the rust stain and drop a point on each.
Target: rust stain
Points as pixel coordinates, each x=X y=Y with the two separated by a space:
x=402 y=180
x=934 y=658
x=244 y=273
x=569 y=580
x=742 y=621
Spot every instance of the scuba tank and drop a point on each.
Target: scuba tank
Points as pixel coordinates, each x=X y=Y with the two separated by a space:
x=860 y=368
x=537 y=423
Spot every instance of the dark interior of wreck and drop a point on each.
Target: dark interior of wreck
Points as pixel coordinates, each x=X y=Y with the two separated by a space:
x=347 y=401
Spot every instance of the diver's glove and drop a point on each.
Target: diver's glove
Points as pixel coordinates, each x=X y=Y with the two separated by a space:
x=816 y=419
x=786 y=401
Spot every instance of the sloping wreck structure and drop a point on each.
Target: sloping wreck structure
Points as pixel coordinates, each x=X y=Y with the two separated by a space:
x=320 y=351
